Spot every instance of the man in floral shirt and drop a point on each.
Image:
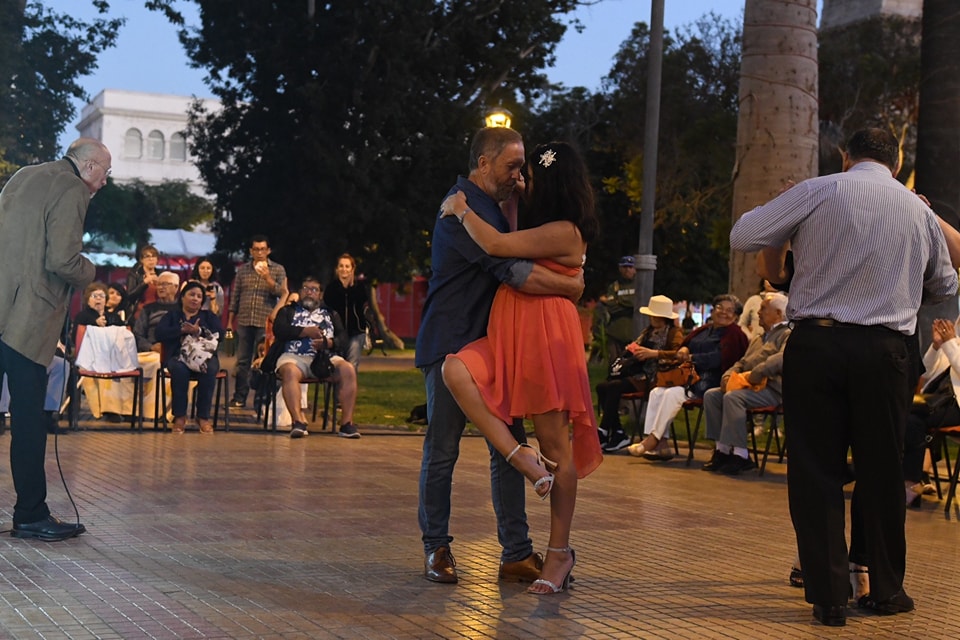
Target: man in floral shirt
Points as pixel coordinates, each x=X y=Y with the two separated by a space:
x=303 y=328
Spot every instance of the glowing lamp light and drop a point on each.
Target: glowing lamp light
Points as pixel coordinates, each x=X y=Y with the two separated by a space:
x=498 y=117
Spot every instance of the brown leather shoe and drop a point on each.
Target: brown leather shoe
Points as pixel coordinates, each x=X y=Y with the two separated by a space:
x=439 y=566
x=526 y=570
x=206 y=425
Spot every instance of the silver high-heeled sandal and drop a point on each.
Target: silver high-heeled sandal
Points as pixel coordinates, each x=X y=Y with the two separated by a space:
x=564 y=584
x=542 y=461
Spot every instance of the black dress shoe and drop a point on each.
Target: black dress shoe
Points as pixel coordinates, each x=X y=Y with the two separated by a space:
x=439 y=566
x=51 y=529
x=899 y=602
x=716 y=462
x=830 y=616
x=736 y=465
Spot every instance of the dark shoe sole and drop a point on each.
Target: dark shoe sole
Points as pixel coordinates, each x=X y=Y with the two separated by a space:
x=46 y=537
x=441 y=579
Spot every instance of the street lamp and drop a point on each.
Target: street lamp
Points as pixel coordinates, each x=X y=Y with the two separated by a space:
x=498 y=117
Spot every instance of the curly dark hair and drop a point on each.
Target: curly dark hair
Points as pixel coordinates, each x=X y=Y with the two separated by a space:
x=560 y=189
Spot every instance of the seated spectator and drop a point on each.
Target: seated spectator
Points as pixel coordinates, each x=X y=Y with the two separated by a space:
x=145 y=326
x=109 y=393
x=939 y=408
x=301 y=329
x=640 y=371
x=761 y=368
x=712 y=348
x=190 y=319
x=142 y=279
x=95 y=311
x=117 y=302
x=144 y=330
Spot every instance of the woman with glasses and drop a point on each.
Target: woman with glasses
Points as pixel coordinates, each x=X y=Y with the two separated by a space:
x=712 y=348
x=105 y=397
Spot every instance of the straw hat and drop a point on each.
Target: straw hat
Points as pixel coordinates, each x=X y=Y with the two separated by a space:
x=660 y=306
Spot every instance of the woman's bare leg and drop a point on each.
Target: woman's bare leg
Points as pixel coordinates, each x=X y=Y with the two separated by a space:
x=464 y=390
x=553 y=436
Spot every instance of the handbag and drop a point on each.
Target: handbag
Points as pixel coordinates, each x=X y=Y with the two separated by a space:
x=196 y=350
x=321 y=367
x=672 y=374
x=938 y=398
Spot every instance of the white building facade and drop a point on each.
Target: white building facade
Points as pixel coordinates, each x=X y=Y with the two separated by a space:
x=146 y=135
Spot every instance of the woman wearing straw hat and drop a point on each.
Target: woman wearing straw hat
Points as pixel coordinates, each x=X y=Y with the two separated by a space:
x=639 y=372
x=712 y=349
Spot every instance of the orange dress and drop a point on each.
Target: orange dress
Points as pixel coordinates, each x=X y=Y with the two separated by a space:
x=532 y=361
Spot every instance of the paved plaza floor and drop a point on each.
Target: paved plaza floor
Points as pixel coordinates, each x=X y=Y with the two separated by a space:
x=249 y=534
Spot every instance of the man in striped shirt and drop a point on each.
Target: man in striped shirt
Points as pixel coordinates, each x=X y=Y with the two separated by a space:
x=866 y=251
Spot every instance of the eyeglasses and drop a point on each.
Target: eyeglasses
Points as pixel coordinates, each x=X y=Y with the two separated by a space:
x=166 y=284
x=311 y=289
x=98 y=294
x=106 y=170
x=728 y=310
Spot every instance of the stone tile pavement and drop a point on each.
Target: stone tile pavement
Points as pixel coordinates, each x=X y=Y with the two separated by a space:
x=253 y=535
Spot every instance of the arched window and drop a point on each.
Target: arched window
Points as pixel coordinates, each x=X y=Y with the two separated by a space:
x=133 y=144
x=178 y=147
x=155 y=145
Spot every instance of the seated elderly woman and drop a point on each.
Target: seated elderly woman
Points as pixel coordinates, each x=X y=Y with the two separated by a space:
x=662 y=335
x=712 y=348
x=190 y=320
x=105 y=397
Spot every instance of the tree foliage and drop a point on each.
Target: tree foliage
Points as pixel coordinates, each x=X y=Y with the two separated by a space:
x=342 y=130
x=697 y=136
x=863 y=84
x=125 y=213
x=42 y=55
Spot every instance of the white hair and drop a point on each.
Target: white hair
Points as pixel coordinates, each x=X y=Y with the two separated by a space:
x=777 y=300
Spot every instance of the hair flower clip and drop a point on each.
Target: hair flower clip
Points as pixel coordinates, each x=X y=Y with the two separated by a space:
x=547 y=158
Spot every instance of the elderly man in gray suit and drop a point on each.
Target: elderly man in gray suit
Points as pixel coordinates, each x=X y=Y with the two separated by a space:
x=42 y=209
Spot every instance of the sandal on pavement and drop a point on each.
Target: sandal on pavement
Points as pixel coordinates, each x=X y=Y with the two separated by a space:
x=796 y=577
x=564 y=584
x=543 y=485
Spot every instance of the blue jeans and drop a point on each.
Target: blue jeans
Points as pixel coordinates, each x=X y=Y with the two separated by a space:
x=180 y=387
x=441 y=447
x=247 y=339
x=354 y=349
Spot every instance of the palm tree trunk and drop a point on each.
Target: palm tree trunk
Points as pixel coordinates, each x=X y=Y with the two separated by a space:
x=778 y=128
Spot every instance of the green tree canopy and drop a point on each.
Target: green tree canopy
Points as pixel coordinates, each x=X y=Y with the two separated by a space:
x=341 y=130
x=42 y=55
x=125 y=213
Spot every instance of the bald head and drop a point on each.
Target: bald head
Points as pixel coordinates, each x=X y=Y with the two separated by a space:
x=93 y=161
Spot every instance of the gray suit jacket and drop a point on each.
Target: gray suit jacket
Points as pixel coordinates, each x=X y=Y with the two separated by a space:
x=42 y=209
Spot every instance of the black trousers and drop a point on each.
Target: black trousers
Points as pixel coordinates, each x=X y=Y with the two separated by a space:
x=845 y=388
x=28 y=433
x=608 y=395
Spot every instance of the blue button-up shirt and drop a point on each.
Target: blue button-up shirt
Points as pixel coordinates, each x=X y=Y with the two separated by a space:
x=464 y=280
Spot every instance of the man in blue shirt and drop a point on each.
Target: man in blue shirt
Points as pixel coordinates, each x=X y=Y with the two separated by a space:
x=462 y=287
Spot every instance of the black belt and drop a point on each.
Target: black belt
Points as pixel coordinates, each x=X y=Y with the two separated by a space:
x=826 y=322
x=830 y=323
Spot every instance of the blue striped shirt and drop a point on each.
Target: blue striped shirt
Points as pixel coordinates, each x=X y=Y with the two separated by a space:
x=865 y=248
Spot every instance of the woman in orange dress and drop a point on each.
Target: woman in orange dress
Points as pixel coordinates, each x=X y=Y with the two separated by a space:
x=532 y=362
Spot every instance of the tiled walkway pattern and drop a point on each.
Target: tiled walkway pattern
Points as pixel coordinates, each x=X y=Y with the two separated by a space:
x=253 y=535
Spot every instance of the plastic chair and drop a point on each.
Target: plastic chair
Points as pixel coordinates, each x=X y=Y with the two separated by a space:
x=953 y=474
x=136 y=416
x=222 y=390
x=774 y=412
x=328 y=393
x=688 y=406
